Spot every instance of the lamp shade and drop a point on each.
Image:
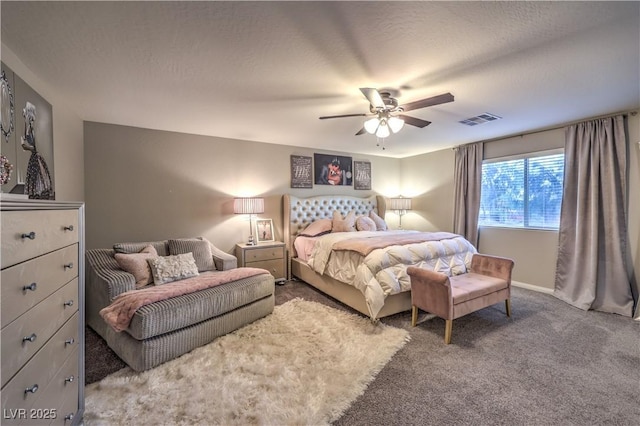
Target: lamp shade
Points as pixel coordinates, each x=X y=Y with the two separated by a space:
x=249 y=205
x=400 y=203
x=395 y=124
x=371 y=125
x=383 y=130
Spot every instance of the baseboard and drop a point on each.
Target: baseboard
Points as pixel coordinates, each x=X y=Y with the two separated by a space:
x=532 y=287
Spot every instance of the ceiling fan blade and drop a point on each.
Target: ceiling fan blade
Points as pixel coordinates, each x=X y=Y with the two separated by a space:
x=361 y=132
x=435 y=100
x=341 y=116
x=373 y=96
x=414 y=121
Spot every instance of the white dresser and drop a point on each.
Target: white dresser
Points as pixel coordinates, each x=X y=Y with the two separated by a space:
x=42 y=336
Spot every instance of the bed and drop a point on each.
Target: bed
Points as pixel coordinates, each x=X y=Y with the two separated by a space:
x=339 y=267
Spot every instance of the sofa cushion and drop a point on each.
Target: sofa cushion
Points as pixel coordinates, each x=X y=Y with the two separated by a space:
x=136 y=264
x=166 y=269
x=161 y=247
x=176 y=313
x=201 y=250
x=470 y=286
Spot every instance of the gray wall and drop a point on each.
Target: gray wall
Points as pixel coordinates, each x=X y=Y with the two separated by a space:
x=149 y=185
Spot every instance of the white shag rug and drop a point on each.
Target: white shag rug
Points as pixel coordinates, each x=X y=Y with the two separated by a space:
x=305 y=364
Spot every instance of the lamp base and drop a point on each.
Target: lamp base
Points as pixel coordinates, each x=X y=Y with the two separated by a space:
x=252 y=241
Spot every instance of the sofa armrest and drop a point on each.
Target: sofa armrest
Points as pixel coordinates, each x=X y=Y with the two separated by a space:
x=224 y=261
x=492 y=266
x=104 y=272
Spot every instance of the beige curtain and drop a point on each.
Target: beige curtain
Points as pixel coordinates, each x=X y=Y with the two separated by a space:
x=467 y=184
x=591 y=271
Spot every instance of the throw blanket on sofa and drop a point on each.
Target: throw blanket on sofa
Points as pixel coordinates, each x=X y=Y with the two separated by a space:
x=124 y=306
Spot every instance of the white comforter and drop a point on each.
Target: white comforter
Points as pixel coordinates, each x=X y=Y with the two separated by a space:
x=383 y=271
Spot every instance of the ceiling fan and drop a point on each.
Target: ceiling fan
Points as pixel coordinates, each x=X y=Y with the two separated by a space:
x=387 y=115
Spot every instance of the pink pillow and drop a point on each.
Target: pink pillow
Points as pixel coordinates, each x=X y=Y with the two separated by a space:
x=364 y=223
x=136 y=264
x=340 y=224
x=381 y=225
x=317 y=228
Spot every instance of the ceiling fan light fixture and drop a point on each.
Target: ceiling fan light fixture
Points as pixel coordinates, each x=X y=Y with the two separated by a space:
x=383 y=130
x=395 y=124
x=371 y=125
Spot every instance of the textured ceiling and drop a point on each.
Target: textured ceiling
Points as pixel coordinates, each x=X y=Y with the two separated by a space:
x=265 y=71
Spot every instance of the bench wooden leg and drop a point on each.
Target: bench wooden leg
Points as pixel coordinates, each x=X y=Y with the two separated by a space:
x=414 y=315
x=447 y=331
x=507 y=304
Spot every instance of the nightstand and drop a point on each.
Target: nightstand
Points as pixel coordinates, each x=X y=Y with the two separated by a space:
x=269 y=256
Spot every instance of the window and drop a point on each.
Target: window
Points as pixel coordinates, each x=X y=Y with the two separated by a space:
x=522 y=192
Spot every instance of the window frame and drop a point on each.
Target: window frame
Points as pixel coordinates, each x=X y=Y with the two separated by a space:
x=523 y=156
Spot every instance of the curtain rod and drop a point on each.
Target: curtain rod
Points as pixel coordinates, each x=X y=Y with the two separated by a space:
x=633 y=113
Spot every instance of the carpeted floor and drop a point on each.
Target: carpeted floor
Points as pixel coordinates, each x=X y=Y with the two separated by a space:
x=549 y=364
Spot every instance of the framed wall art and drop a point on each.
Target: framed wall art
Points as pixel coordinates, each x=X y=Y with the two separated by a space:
x=264 y=230
x=332 y=169
x=301 y=173
x=361 y=175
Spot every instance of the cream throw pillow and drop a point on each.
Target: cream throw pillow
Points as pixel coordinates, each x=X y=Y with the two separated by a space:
x=381 y=225
x=136 y=264
x=340 y=224
x=166 y=269
x=364 y=223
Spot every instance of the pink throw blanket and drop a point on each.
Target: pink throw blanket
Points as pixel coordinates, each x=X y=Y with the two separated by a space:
x=365 y=245
x=119 y=313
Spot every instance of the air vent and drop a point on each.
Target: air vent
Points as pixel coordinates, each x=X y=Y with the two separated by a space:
x=482 y=118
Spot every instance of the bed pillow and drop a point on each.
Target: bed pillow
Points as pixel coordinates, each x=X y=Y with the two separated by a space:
x=166 y=269
x=381 y=225
x=136 y=264
x=346 y=224
x=364 y=223
x=317 y=228
x=201 y=250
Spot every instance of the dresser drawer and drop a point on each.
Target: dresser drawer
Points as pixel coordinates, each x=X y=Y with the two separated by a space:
x=39 y=323
x=26 y=284
x=48 y=405
x=267 y=253
x=275 y=267
x=68 y=412
x=41 y=369
x=31 y=233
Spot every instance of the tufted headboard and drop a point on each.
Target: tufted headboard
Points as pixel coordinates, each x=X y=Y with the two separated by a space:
x=299 y=212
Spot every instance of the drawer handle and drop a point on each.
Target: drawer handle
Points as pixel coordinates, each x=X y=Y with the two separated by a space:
x=69 y=341
x=68 y=265
x=31 y=338
x=68 y=303
x=32 y=287
x=31 y=235
x=68 y=228
x=32 y=389
x=69 y=379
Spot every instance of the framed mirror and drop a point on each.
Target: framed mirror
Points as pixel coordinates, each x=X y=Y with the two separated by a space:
x=6 y=109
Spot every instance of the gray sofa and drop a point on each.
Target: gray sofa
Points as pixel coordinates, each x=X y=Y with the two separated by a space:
x=167 y=329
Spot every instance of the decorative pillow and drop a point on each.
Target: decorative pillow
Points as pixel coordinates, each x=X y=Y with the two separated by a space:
x=381 y=225
x=128 y=248
x=340 y=224
x=201 y=250
x=136 y=264
x=364 y=223
x=166 y=269
x=317 y=228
